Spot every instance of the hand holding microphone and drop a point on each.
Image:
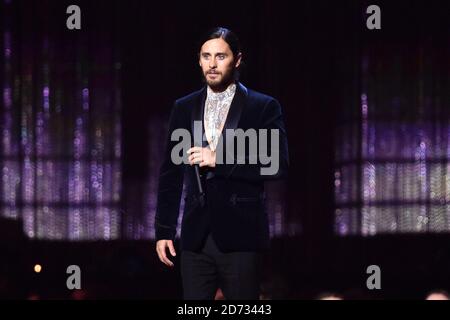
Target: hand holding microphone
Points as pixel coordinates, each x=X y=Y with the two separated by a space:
x=201 y=157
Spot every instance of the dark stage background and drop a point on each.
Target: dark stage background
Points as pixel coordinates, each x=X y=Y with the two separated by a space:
x=84 y=114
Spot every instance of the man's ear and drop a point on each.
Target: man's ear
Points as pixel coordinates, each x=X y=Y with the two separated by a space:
x=238 y=60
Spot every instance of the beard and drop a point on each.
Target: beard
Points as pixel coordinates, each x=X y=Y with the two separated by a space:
x=222 y=81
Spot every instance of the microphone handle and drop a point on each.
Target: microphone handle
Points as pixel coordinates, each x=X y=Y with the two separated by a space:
x=199 y=182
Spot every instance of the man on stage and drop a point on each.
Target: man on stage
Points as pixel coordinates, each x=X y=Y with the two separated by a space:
x=225 y=226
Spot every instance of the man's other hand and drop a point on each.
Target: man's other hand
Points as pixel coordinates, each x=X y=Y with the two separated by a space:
x=161 y=247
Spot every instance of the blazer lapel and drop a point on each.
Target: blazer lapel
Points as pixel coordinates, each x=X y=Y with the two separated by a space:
x=197 y=115
x=238 y=103
x=231 y=123
x=233 y=116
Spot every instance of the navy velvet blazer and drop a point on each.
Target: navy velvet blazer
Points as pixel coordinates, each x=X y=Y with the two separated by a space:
x=235 y=211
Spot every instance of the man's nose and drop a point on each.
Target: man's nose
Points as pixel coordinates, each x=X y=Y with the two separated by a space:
x=212 y=63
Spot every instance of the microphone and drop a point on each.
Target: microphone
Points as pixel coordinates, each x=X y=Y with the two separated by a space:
x=198 y=141
x=201 y=193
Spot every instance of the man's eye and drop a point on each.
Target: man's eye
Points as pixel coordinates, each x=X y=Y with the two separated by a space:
x=221 y=56
x=205 y=57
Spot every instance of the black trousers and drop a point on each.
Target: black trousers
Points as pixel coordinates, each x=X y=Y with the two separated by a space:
x=236 y=273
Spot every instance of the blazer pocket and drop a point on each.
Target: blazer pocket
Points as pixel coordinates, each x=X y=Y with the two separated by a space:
x=236 y=199
x=190 y=202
